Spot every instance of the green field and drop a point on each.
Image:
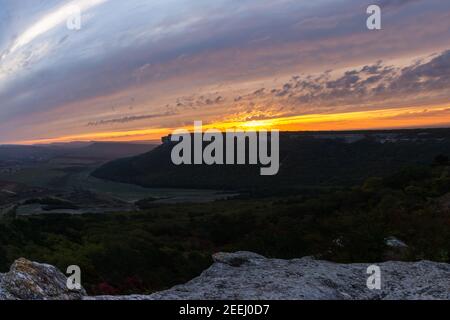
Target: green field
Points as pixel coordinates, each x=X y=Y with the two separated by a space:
x=66 y=177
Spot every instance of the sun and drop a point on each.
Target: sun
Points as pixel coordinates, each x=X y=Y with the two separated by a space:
x=258 y=124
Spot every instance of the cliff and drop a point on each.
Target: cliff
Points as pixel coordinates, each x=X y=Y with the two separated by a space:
x=245 y=275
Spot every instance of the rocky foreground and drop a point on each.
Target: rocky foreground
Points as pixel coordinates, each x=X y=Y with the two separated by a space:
x=245 y=275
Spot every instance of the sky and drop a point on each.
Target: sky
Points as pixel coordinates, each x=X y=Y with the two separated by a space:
x=138 y=69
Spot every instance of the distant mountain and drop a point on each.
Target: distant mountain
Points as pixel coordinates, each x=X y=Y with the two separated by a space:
x=68 y=145
x=24 y=153
x=306 y=160
x=101 y=151
x=109 y=150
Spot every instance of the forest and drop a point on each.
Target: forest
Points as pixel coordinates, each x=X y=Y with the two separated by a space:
x=168 y=244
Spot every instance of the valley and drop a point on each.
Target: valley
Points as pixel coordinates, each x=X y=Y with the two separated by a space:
x=340 y=196
x=58 y=180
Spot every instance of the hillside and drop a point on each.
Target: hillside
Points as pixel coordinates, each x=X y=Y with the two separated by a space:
x=109 y=150
x=166 y=245
x=306 y=160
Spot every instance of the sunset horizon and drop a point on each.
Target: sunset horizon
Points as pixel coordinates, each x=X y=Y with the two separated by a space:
x=374 y=120
x=310 y=67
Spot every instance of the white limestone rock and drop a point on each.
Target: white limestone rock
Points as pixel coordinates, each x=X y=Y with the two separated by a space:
x=249 y=276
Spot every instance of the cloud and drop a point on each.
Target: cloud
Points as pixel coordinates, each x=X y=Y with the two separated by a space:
x=157 y=51
x=371 y=86
x=430 y=76
x=52 y=20
x=396 y=3
x=128 y=119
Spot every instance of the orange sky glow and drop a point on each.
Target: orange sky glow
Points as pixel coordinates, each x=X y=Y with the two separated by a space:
x=412 y=117
x=313 y=66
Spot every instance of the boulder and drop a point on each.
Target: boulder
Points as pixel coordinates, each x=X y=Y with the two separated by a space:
x=28 y=280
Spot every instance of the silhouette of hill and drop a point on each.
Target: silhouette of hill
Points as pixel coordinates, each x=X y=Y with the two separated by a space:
x=306 y=160
x=94 y=150
x=110 y=150
x=26 y=153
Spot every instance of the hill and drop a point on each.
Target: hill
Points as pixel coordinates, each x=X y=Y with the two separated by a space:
x=109 y=150
x=94 y=150
x=306 y=160
x=11 y=153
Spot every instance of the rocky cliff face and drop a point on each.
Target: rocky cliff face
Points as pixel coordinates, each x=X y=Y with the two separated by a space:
x=28 y=280
x=245 y=275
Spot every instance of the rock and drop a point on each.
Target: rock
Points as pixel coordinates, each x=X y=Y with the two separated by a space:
x=236 y=259
x=396 y=249
x=393 y=242
x=28 y=280
x=249 y=276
